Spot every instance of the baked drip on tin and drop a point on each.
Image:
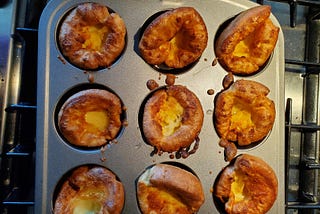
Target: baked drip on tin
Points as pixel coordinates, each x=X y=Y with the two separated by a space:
x=175 y=38
x=243 y=113
x=91 y=37
x=90 y=118
x=90 y=189
x=247 y=185
x=168 y=189
x=172 y=118
x=248 y=41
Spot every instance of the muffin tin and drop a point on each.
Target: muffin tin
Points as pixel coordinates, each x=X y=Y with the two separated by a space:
x=129 y=155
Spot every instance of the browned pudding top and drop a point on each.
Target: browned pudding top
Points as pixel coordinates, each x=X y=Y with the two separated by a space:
x=177 y=38
x=90 y=190
x=243 y=112
x=172 y=118
x=169 y=189
x=248 y=185
x=248 y=41
x=91 y=37
x=90 y=118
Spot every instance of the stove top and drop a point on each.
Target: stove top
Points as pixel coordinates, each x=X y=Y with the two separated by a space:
x=18 y=59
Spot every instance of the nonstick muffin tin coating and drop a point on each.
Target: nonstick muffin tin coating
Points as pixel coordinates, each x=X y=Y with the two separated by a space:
x=129 y=156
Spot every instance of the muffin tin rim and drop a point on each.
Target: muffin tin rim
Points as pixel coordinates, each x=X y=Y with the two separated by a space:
x=207 y=50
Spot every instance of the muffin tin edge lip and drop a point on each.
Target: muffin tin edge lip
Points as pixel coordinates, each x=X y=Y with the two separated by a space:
x=69 y=93
x=107 y=164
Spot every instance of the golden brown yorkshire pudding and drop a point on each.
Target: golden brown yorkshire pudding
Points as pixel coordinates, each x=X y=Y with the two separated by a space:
x=167 y=189
x=90 y=37
x=177 y=38
x=243 y=112
x=90 y=190
x=90 y=118
x=172 y=118
x=248 y=41
x=248 y=185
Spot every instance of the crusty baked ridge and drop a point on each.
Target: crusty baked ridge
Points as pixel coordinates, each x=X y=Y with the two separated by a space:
x=243 y=112
x=166 y=189
x=177 y=38
x=90 y=118
x=248 y=185
x=248 y=41
x=172 y=118
x=91 y=37
x=90 y=189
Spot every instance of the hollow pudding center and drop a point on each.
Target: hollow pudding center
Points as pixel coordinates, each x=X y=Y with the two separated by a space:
x=98 y=119
x=244 y=47
x=179 y=41
x=237 y=188
x=241 y=116
x=88 y=201
x=94 y=37
x=170 y=116
x=86 y=207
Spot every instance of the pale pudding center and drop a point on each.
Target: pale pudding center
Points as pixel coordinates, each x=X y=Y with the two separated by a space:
x=170 y=116
x=98 y=119
x=94 y=37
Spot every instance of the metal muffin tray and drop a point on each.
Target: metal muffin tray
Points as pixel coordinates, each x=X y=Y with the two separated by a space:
x=129 y=156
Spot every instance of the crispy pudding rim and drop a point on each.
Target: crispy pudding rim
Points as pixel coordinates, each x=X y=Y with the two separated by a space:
x=67 y=174
x=65 y=60
x=252 y=145
x=220 y=205
x=161 y=68
x=77 y=89
x=220 y=29
x=178 y=153
x=180 y=165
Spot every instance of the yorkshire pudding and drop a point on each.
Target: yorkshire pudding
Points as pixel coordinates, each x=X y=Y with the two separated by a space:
x=90 y=190
x=248 y=41
x=248 y=185
x=243 y=112
x=168 y=189
x=90 y=117
x=172 y=118
x=90 y=37
x=177 y=38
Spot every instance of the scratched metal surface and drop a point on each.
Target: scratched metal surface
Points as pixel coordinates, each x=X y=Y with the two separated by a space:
x=127 y=78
